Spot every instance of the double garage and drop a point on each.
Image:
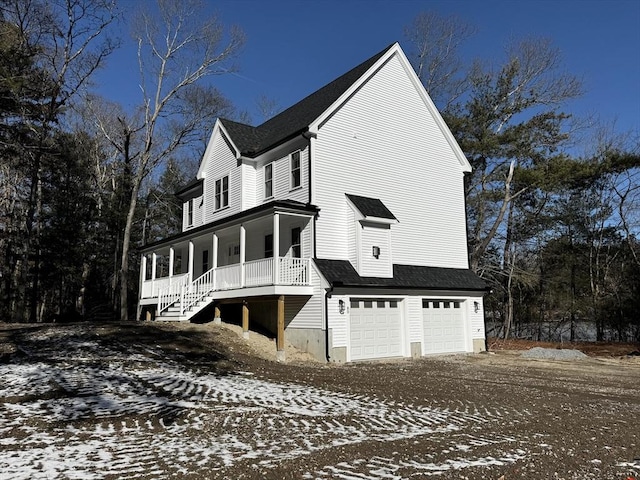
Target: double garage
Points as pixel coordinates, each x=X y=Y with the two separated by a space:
x=377 y=329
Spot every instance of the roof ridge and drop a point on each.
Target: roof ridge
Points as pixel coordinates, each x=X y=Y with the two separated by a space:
x=297 y=118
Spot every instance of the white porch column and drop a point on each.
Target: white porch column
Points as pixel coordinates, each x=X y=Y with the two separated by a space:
x=276 y=248
x=171 y=257
x=154 y=259
x=243 y=237
x=143 y=274
x=191 y=248
x=214 y=259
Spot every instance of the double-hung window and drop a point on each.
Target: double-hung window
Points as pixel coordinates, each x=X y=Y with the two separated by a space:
x=268 y=180
x=222 y=192
x=190 y=213
x=295 y=169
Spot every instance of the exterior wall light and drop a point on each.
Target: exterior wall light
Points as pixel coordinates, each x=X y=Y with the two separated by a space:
x=376 y=252
x=341 y=306
x=476 y=307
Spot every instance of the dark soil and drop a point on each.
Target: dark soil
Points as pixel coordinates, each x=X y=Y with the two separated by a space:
x=496 y=415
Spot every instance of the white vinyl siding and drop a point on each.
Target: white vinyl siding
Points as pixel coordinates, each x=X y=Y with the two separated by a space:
x=248 y=191
x=352 y=239
x=310 y=314
x=375 y=267
x=477 y=318
x=383 y=143
x=414 y=319
x=337 y=322
x=222 y=162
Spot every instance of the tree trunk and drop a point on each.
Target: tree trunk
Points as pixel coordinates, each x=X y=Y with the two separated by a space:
x=126 y=241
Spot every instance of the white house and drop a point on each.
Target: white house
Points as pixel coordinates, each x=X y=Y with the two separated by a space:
x=339 y=223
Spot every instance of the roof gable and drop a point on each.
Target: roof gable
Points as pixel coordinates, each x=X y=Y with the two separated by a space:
x=312 y=111
x=296 y=119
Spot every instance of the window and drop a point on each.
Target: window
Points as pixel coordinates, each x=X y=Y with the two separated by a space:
x=268 y=246
x=295 y=169
x=190 y=212
x=268 y=180
x=381 y=304
x=205 y=261
x=368 y=304
x=355 y=304
x=222 y=192
x=296 y=250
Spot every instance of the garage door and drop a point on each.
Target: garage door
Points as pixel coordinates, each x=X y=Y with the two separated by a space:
x=376 y=329
x=444 y=330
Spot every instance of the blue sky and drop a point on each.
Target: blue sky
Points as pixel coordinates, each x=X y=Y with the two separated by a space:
x=295 y=47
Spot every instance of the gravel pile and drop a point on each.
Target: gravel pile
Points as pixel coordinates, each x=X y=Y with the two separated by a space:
x=554 y=354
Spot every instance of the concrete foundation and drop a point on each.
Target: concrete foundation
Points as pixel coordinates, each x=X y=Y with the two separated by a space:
x=310 y=340
x=479 y=345
x=281 y=356
x=338 y=355
x=416 y=350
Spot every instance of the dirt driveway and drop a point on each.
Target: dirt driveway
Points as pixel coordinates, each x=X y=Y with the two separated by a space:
x=172 y=401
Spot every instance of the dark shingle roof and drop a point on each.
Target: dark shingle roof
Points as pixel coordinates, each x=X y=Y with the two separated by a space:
x=341 y=273
x=296 y=119
x=371 y=207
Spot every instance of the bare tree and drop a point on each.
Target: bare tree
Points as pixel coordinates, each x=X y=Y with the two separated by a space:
x=64 y=42
x=435 y=42
x=267 y=107
x=178 y=47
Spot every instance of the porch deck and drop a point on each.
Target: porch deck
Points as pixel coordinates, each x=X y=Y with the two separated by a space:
x=180 y=291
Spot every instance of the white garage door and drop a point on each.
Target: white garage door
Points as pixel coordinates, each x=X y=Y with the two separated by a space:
x=376 y=329
x=444 y=330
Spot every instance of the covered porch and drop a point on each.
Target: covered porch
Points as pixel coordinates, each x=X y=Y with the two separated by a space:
x=264 y=251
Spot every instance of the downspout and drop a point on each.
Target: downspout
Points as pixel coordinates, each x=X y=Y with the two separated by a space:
x=326 y=322
x=311 y=137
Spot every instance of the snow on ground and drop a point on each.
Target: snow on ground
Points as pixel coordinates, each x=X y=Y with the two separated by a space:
x=87 y=411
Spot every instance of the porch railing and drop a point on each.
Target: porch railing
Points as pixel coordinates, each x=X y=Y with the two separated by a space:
x=294 y=271
x=258 y=272
x=169 y=290
x=228 y=277
x=261 y=272
x=197 y=290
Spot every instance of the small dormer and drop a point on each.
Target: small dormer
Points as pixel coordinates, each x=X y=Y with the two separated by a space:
x=192 y=203
x=370 y=236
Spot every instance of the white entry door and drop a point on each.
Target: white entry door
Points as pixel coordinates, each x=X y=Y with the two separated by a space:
x=444 y=330
x=376 y=328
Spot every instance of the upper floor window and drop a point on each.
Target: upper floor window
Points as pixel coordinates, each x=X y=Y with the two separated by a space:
x=268 y=180
x=295 y=169
x=222 y=192
x=190 y=212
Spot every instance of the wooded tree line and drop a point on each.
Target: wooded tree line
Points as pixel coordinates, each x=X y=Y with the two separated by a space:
x=552 y=200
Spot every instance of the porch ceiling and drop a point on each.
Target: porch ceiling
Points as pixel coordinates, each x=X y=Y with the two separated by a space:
x=230 y=224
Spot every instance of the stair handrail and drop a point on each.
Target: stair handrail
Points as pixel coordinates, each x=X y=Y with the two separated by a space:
x=197 y=290
x=168 y=295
